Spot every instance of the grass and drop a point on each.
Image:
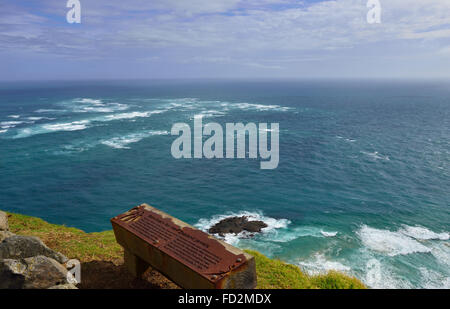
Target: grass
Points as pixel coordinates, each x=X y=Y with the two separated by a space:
x=276 y=274
x=87 y=247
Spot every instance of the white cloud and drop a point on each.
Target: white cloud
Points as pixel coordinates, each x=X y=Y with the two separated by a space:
x=250 y=33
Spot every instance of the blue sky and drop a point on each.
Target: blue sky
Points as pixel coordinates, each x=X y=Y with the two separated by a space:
x=224 y=39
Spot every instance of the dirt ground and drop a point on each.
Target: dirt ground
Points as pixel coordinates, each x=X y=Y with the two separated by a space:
x=107 y=275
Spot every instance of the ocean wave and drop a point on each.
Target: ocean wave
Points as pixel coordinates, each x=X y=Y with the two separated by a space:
x=88 y=105
x=434 y=280
x=121 y=142
x=68 y=126
x=258 y=107
x=272 y=224
x=210 y=114
x=130 y=115
x=78 y=124
x=382 y=276
x=14 y=116
x=328 y=234
x=441 y=252
x=51 y=128
x=50 y=110
x=40 y=118
x=109 y=108
x=389 y=243
x=4 y=131
x=319 y=264
x=192 y=103
x=89 y=101
x=289 y=234
x=421 y=233
x=10 y=124
x=118 y=142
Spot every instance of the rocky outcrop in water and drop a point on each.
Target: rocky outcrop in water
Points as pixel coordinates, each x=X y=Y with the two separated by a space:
x=27 y=263
x=236 y=225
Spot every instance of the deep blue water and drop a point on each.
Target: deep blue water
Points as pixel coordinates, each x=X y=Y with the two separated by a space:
x=362 y=185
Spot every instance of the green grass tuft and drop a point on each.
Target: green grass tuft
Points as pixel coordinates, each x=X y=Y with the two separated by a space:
x=275 y=274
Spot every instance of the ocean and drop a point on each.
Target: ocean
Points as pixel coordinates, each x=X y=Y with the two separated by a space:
x=362 y=184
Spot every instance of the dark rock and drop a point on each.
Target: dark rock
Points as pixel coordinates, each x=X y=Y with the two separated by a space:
x=39 y=272
x=3 y=221
x=235 y=225
x=21 y=247
x=5 y=234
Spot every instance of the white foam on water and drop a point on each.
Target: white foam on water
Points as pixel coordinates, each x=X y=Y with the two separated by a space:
x=441 y=252
x=68 y=126
x=107 y=109
x=10 y=124
x=88 y=105
x=273 y=224
x=289 y=234
x=184 y=104
x=14 y=116
x=4 y=131
x=218 y=107
x=121 y=142
x=39 y=118
x=328 y=234
x=36 y=118
x=80 y=124
x=381 y=276
x=258 y=107
x=376 y=155
x=319 y=264
x=89 y=101
x=210 y=114
x=130 y=115
x=422 y=233
x=389 y=243
x=51 y=128
x=44 y=110
x=346 y=139
x=434 y=280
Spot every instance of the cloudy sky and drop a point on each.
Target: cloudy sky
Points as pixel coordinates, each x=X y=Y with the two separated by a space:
x=224 y=39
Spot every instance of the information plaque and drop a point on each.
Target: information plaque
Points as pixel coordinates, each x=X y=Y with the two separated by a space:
x=189 y=257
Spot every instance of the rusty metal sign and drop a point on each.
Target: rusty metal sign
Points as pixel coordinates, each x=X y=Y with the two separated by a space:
x=191 y=247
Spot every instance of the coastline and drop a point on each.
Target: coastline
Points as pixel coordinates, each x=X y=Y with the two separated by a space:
x=102 y=261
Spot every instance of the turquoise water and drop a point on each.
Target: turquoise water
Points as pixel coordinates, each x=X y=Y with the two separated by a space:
x=362 y=185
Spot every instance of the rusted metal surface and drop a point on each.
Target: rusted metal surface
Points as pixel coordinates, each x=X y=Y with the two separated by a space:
x=195 y=249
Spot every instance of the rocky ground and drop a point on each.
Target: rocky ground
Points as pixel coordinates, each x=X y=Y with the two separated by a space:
x=236 y=225
x=27 y=263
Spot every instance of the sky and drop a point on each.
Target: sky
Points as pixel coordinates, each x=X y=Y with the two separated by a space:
x=139 y=39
